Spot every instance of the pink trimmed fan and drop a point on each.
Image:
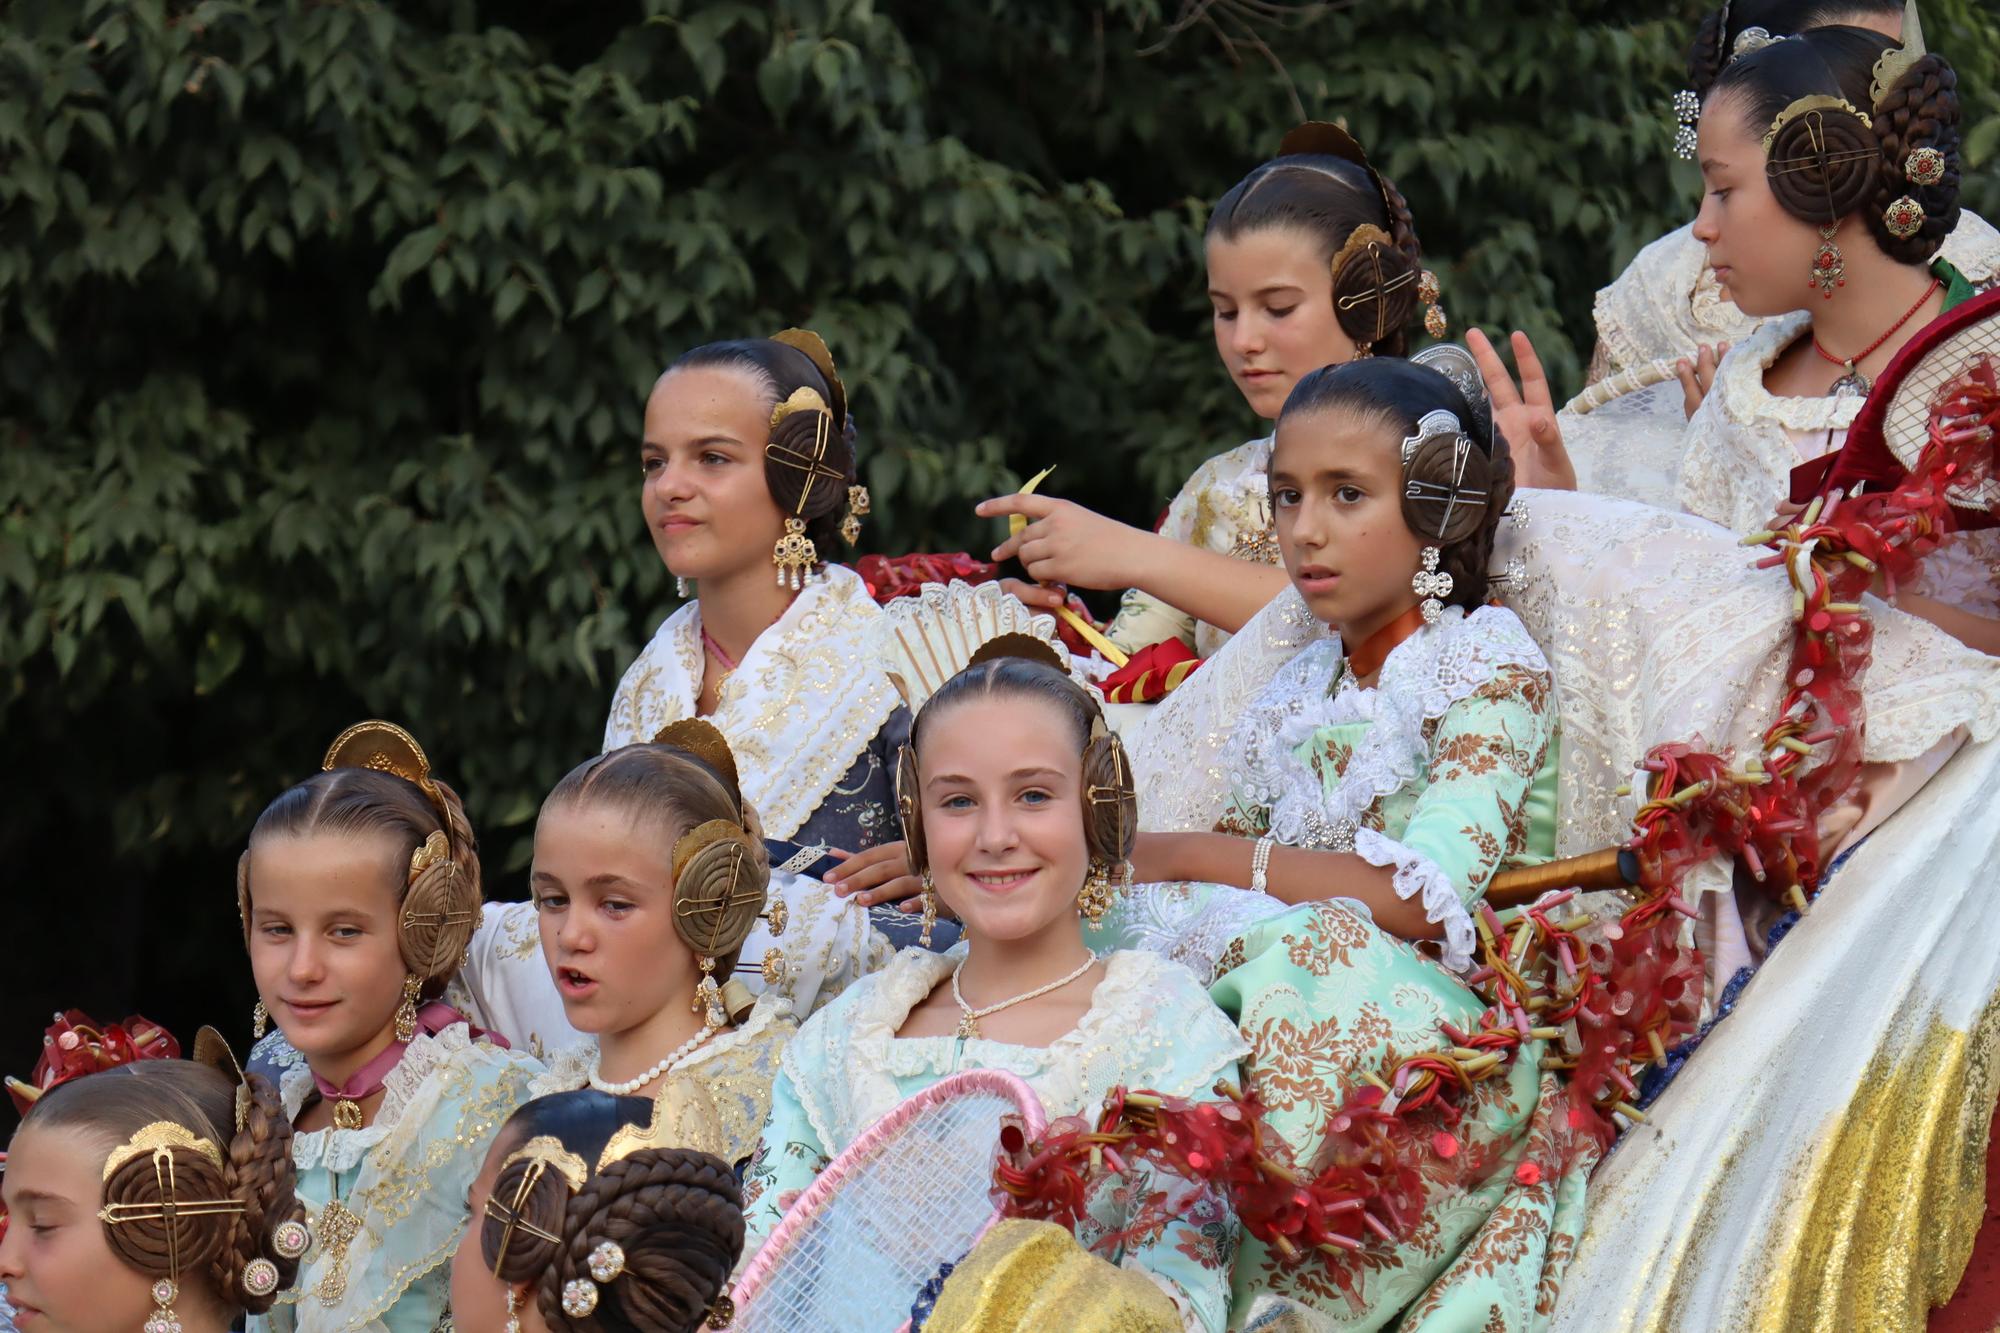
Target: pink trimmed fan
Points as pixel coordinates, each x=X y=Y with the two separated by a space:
x=910 y=1195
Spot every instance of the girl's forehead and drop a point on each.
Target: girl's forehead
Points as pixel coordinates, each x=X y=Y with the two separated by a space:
x=1335 y=437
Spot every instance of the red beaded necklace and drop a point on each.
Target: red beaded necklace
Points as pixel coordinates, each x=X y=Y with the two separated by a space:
x=1854 y=379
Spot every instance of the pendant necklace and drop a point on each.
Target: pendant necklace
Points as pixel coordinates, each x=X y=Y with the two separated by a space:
x=968 y=1022
x=1854 y=381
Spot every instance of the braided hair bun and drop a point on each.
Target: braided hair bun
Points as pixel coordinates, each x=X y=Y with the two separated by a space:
x=1920 y=111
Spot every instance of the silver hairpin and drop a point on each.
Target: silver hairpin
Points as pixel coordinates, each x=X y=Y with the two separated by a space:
x=1431 y=424
x=1451 y=494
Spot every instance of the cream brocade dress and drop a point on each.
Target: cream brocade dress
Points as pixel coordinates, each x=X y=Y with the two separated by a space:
x=1224 y=507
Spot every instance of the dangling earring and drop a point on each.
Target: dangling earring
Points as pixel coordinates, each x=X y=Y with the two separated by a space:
x=260 y=1019
x=1362 y=351
x=1435 y=323
x=406 y=1012
x=794 y=555
x=164 y=1320
x=682 y=588
x=1829 y=270
x=1100 y=891
x=930 y=912
x=857 y=509
x=1431 y=585
x=708 y=997
x=513 y=1310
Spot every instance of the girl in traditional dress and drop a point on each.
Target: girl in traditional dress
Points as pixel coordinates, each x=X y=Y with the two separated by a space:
x=1312 y=260
x=593 y=1212
x=649 y=873
x=1017 y=806
x=358 y=895
x=1375 y=787
x=155 y=1195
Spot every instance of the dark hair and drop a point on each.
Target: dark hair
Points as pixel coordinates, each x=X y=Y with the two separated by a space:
x=1714 y=41
x=256 y=1170
x=783 y=369
x=677 y=1214
x=1398 y=394
x=1815 y=184
x=1329 y=198
x=1110 y=823
x=367 y=801
x=674 y=791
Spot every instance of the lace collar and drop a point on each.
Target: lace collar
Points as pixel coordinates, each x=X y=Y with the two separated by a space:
x=342 y=1150
x=1422 y=677
x=847 y=1060
x=799 y=709
x=1746 y=401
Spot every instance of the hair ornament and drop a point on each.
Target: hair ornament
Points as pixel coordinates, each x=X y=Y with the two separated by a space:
x=1924 y=166
x=579 y=1297
x=1904 y=218
x=291 y=1238
x=386 y=748
x=1456 y=364
x=1323 y=138
x=1686 y=114
x=607 y=1261
x=814 y=346
x=1811 y=106
x=1367 y=271
x=1014 y=644
x=1895 y=62
x=260 y=1277
x=543 y=1153
x=705 y=741
x=1751 y=39
x=684 y=1116
x=1432 y=424
x=160 y=1137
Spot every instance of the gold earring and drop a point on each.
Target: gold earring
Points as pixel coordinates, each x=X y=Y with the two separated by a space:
x=260 y=1019
x=794 y=555
x=1829 y=270
x=513 y=1308
x=1435 y=323
x=163 y=1319
x=406 y=1012
x=708 y=997
x=930 y=912
x=857 y=509
x=1099 y=893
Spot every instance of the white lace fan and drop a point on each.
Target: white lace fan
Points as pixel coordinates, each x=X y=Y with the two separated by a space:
x=907 y=1197
x=925 y=640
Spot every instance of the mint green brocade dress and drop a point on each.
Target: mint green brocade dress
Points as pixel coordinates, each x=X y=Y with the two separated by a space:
x=1445 y=770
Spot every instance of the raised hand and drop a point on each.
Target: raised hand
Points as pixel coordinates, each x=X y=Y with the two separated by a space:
x=1697 y=377
x=1524 y=413
x=1066 y=543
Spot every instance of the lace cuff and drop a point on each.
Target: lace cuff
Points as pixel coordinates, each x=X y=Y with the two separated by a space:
x=1416 y=873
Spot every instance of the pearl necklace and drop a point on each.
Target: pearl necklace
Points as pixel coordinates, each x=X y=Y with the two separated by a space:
x=631 y=1086
x=968 y=1023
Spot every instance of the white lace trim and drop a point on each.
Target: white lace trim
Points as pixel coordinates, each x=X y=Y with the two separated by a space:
x=855 y=1041
x=1741 y=377
x=1423 y=677
x=805 y=701
x=1418 y=874
x=341 y=1150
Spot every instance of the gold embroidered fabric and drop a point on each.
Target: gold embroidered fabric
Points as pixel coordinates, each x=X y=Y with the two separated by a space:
x=1225 y=507
x=404 y=1176
x=805 y=701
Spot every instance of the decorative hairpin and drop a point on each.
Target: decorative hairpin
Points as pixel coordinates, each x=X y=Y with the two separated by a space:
x=1687 y=114
x=543 y=1153
x=1895 y=62
x=162 y=1139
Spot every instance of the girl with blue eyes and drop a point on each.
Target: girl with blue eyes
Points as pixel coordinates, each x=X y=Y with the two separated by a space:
x=1018 y=809
x=1312 y=260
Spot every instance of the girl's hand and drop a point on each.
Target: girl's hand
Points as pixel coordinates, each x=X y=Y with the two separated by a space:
x=879 y=875
x=1066 y=543
x=1526 y=414
x=1034 y=594
x=1697 y=377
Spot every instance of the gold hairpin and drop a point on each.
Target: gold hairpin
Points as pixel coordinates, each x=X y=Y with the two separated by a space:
x=543 y=1153
x=684 y=1116
x=1897 y=60
x=386 y=748
x=160 y=1136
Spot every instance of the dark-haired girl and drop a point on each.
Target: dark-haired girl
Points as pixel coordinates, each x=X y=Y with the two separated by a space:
x=359 y=893
x=1018 y=811
x=1377 y=784
x=600 y=1213
x=142 y=1196
x=1313 y=260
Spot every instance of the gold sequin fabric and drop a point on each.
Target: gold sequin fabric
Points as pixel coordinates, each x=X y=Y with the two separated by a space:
x=1026 y=1277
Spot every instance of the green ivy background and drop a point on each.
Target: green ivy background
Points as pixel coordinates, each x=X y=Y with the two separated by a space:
x=325 y=327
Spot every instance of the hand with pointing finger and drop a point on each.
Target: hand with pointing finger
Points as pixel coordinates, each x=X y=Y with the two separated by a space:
x=1066 y=543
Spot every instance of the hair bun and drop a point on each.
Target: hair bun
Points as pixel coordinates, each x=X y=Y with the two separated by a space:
x=1446 y=490
x=719 y=888
x=136 y=1198
x=1374 y=287
x=1823 y=160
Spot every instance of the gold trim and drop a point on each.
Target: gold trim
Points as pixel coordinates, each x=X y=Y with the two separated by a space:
x=161 y=1135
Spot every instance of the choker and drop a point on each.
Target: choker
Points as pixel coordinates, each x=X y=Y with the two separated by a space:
x=368 y=1080
x=1368 y=657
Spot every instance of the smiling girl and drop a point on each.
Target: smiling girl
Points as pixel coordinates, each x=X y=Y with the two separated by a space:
x=1016 y=804
x=649 y=873
x=358 y=894
x=104 y=1167
x=1313 y=260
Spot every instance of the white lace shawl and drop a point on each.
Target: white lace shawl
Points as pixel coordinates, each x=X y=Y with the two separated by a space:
x=407 y=1171
x=1150 y=1025
x=799 y=709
